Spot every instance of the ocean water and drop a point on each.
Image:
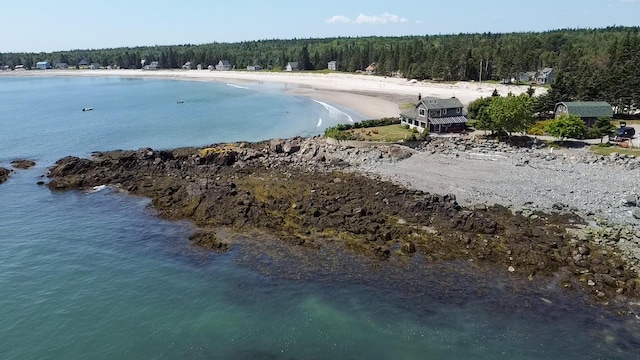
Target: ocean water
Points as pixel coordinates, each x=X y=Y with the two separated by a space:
x=99 y=276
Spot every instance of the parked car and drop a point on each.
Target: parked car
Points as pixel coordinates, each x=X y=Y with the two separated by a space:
x=624 y=133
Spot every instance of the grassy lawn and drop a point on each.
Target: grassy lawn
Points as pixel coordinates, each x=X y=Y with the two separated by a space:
x=389 y=133
x=606 y=151
x=616 y=122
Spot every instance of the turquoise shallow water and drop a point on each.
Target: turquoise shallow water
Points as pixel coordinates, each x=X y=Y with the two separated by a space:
x=98 y=275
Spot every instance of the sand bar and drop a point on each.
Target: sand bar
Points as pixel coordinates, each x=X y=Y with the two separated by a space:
x=371 y=96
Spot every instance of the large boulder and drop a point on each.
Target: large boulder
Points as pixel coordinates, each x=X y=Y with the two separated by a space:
x=23 y=164
x=4 y=174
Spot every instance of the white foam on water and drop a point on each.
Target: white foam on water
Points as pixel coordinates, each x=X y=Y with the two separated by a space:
x=333 y=112
x=238 y=86
x=319 y=122
x=95 y=189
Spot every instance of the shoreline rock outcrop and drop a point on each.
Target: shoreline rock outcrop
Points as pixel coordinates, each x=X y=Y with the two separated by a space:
x=23 y=164
x=4 y=174
x=303 y=191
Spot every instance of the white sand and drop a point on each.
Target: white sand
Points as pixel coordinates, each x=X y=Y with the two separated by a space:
x=338 y=88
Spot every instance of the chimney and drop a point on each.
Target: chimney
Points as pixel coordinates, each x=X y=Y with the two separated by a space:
x=419 y=96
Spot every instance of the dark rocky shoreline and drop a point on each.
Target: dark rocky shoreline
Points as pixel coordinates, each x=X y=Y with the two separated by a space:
x=301 y=192
x=4 y=174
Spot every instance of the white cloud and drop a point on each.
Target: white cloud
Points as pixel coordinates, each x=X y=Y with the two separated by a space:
x=338 y=19
x=385 y=18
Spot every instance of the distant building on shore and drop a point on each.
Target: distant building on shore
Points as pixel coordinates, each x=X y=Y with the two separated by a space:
x=292 y=66
x=61 y=65
x=332 y=65
x=19 y=67
x=187 y=65
x=223 y=65
x=153 y=66
x=254 y=67
x=83 y=64
x=43 y=65
x=371 y=69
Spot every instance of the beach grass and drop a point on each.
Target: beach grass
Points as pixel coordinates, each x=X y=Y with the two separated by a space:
x=606 y=151
x=616 y=122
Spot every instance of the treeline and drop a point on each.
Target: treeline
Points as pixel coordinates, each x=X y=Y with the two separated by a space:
x=589 y=64
x=445 y=57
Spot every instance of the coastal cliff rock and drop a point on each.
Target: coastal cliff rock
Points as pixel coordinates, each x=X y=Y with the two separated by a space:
x=4 y=174
x=300 y=190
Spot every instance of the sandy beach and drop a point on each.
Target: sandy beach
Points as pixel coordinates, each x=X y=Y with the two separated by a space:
x=371 y=96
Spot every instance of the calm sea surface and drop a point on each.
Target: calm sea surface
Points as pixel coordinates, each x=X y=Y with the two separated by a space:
x=99 y=276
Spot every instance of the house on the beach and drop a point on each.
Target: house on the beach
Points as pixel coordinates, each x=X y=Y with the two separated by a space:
x=254 y=68
x=43 y=65
x=19 y=67
x=544 y=76
x=223 y=65
x=292 y=66
x=588 y=111
x=61 y=65
x=332 y=65
x=95 y=66
x=187 y=65
x=371 y=69
x=4 y=67
x=83 y=64
x=153 y=66
x=435 y=115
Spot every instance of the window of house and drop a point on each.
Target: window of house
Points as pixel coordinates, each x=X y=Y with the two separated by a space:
x=422 y=112
x=432 y=113
x=444 y=111
x=458 y=110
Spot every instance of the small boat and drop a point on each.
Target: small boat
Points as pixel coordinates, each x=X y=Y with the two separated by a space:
x=180 y=102
x=87 y=109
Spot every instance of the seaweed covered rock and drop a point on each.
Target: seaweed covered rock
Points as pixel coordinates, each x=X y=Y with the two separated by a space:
x=23 y=164
x=4 y=174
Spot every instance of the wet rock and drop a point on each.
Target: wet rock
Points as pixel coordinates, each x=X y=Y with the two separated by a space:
x=4 y=174
x=630 y=200
x=209 y=240
x=23 y=164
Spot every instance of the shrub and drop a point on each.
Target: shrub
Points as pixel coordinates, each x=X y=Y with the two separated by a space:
x=414 y=130
x=567 y=126
x=538 y=128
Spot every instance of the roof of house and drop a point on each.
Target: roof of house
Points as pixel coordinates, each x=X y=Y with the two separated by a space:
x=224 y=62
x=432 y=103
x=546 y=72
x=292 y=63
x=588 y=109
x=42 y=62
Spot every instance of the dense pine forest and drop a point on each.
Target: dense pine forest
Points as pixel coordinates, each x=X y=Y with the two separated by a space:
x=589 y=64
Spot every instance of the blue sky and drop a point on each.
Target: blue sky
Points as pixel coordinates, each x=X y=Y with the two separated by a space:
x=45 y=25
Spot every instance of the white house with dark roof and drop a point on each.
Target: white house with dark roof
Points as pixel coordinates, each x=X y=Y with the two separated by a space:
x=292 y=66
x=43 y=65
x=332 y=65
x=544 y=76
x=436 y=115
x=223 y=65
